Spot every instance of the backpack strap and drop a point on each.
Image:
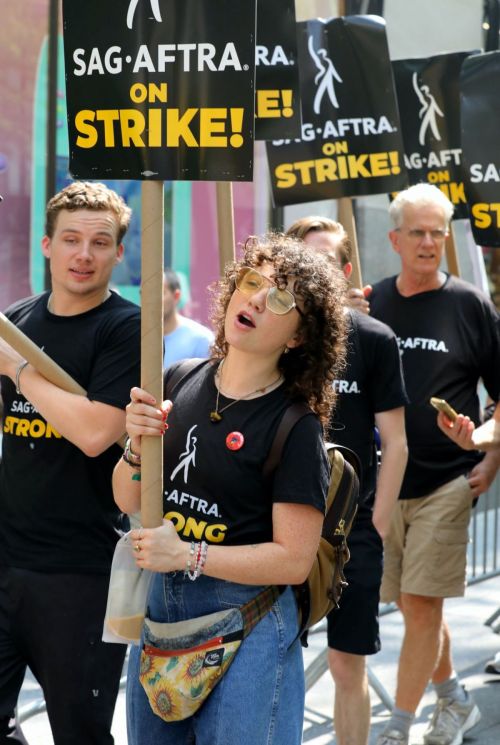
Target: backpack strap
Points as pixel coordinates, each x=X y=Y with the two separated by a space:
x=333 y=530
x=292 y=415
x=182 y=370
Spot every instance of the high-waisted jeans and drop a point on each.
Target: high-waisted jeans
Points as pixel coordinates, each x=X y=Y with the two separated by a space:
x=260 y=699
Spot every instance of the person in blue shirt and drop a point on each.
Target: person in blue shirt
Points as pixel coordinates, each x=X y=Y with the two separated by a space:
x=184 y=338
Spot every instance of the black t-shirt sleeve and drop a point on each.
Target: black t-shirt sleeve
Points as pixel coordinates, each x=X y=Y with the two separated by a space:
x=117 y=364
x=489 y=351
x=302 y=477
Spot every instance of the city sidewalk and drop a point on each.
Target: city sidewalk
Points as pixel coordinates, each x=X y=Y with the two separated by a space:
x=473 y=644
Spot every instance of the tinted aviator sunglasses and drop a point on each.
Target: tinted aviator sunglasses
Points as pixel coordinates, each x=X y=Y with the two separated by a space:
x=249 y=281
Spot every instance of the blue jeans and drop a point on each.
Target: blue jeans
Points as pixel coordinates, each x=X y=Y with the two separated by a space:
x=260 y=699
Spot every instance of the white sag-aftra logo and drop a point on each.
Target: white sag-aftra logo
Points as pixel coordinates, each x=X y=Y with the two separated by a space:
x=155 y=9
x=187 y=457
x=325 y=78
x=429 y=110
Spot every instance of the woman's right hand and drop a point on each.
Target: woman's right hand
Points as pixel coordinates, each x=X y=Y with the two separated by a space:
x=144 y=417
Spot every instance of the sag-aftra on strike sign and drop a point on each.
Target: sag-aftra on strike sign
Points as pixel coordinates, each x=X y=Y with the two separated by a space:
x=351 y=142
x=160 y=89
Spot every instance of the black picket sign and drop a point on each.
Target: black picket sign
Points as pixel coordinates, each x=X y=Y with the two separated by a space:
x=160 y=89
x=480 y=113
x=277 y=90
x=351 y=142
x=429 y=108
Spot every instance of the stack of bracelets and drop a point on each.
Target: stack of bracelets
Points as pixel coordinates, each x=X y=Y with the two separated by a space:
x=198 y=552
x=132 y=459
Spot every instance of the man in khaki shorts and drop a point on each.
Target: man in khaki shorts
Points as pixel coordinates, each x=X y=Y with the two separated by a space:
x=448 y=335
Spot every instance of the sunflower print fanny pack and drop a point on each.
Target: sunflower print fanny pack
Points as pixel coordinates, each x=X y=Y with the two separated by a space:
x=181 y=663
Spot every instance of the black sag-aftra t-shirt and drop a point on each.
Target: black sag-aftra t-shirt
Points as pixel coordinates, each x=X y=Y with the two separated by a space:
x=372 y=383
x=57 y=512
x=449 y=339
x=219 y=494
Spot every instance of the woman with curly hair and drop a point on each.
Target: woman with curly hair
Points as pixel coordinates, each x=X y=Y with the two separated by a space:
x=279 y=338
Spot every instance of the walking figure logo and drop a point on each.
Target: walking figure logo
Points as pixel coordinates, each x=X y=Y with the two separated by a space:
x=428 y=111
x=325 y=78
x=187 y=457
x=155 y=9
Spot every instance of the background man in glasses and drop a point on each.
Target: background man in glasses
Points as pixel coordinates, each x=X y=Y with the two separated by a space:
x=448 y=335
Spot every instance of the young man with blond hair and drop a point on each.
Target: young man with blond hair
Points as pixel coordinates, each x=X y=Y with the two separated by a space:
x=59 y=522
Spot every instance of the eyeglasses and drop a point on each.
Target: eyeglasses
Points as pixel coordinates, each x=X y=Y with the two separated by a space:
x=419 y=235
x=249 y=281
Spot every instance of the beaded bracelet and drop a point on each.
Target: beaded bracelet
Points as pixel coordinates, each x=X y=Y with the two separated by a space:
x=201 y=557
x=131 y=459
x=188 y=571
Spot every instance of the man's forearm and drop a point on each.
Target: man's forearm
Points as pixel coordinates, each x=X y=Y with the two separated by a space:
x=390 y=478
x=487 y=436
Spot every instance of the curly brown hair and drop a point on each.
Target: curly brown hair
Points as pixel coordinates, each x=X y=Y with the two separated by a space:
x=87 y=195
x=309 y=369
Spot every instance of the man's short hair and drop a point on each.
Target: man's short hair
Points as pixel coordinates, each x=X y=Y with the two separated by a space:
x=300 y=228
x=416 y=196
x=87 y=195
x=172 y=280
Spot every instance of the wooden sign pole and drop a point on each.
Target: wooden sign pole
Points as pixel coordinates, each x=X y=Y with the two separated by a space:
x=152 y=346
x=225 y=223
x=451 y=253
x=37 y=357
x=346 y=219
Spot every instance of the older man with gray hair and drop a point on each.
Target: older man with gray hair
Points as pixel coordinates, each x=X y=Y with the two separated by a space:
x=448 y=335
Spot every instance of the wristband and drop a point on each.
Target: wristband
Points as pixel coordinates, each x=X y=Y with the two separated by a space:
x=131 y=458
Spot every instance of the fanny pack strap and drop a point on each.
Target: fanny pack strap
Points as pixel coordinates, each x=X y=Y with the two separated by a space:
x=253 y=611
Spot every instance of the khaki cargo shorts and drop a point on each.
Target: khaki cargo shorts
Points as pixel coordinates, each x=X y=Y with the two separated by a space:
x=426 y=550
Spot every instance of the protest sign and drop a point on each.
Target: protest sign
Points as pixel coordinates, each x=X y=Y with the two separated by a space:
x=351 y=143
x=277 y=91
x=429 y=108
x=160 y=89
x=480 y=113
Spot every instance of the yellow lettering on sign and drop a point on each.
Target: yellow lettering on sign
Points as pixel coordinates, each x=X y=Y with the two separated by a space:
x=273 y=103
x=160 y=127
x=455 y=192
x=212 y=124
x=151 y=92
x=367 y=165
x=438 y=177
x=88 y=134
x=485 y=215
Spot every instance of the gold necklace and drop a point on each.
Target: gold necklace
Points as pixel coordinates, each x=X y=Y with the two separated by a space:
x=216 y=414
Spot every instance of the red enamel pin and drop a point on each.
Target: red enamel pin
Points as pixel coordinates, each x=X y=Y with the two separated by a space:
x=235 y=441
